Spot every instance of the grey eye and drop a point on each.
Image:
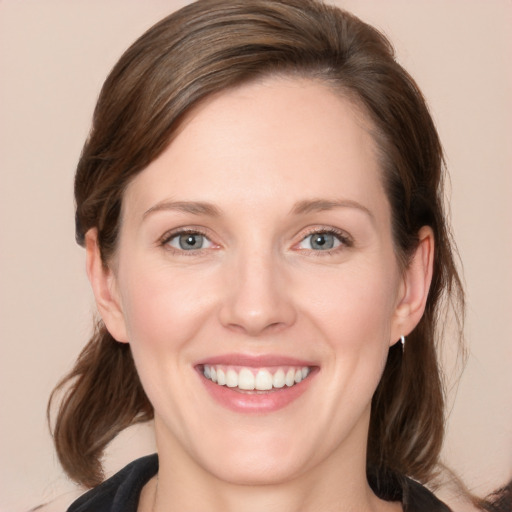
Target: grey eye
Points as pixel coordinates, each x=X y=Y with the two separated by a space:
x=189 y=242
x=322 y=241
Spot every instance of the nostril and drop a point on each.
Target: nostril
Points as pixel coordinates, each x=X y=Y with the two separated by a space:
x=276 y=326
x=255 y=327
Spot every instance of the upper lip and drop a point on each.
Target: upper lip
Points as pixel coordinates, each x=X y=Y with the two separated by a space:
x=254 y=361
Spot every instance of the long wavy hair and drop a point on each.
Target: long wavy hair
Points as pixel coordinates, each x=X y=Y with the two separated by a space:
x=210 y=46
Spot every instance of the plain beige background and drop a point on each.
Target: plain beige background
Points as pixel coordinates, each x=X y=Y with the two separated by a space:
x=54 y=55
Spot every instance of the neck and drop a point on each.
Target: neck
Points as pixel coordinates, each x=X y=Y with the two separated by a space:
x=336 y=483
x=300 y=494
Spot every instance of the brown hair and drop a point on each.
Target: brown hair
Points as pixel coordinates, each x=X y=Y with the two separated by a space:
x=202 y=49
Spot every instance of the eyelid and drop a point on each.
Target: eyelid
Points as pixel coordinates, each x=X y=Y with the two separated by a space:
x=180 y=231
x=345 y=239
x=164 y=240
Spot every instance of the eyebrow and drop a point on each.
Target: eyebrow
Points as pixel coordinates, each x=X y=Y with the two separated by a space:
x=193 y=207
x=320 y=205
x=300 y=208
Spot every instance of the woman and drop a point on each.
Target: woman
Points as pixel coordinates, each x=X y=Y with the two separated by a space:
x=260 y=202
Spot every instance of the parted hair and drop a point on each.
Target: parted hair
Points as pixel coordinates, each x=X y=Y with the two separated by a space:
x=205 y=48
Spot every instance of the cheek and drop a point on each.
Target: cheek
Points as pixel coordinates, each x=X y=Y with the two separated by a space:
x=354 y=312
x=163 y=309
x=157 y=297
x=355 y=306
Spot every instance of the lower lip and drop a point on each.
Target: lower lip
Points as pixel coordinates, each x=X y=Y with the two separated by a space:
x=256 y=401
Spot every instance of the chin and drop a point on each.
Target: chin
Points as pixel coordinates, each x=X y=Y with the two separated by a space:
x=253 y=469
x=258 y=456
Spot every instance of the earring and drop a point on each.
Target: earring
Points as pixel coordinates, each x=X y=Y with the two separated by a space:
x=402 y=341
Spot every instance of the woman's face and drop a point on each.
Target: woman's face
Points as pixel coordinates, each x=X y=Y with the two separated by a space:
x=257 y=251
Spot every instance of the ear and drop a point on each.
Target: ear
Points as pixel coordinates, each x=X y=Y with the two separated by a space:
x=103 y=284
x=415 y=286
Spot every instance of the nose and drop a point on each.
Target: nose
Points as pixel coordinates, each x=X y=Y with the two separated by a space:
x=258 y=296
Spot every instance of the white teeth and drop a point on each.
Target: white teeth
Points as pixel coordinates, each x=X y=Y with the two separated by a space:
x=263 y=380
x=278 y=379
x=249 y=379
x=231 y=379
x=221 y=377
x=246 y=379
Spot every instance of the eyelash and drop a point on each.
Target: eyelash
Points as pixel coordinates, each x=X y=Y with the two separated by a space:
x=167 y=237
x=345 y=240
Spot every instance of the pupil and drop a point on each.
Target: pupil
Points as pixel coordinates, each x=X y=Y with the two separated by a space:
x=190 y=241
x=323 y=241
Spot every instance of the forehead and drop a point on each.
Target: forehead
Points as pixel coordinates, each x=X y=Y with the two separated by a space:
x=275 y=140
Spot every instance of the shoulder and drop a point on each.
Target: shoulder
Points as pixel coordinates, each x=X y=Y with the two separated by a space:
x=121 y=492
x=414 y=497
x=417 y=498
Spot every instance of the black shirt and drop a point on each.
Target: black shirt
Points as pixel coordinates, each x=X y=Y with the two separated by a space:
x=121 y=492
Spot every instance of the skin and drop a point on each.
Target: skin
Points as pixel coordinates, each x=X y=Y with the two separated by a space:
x=256 y=154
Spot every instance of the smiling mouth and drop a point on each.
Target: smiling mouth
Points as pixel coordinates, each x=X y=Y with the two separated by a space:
x=247 y=379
